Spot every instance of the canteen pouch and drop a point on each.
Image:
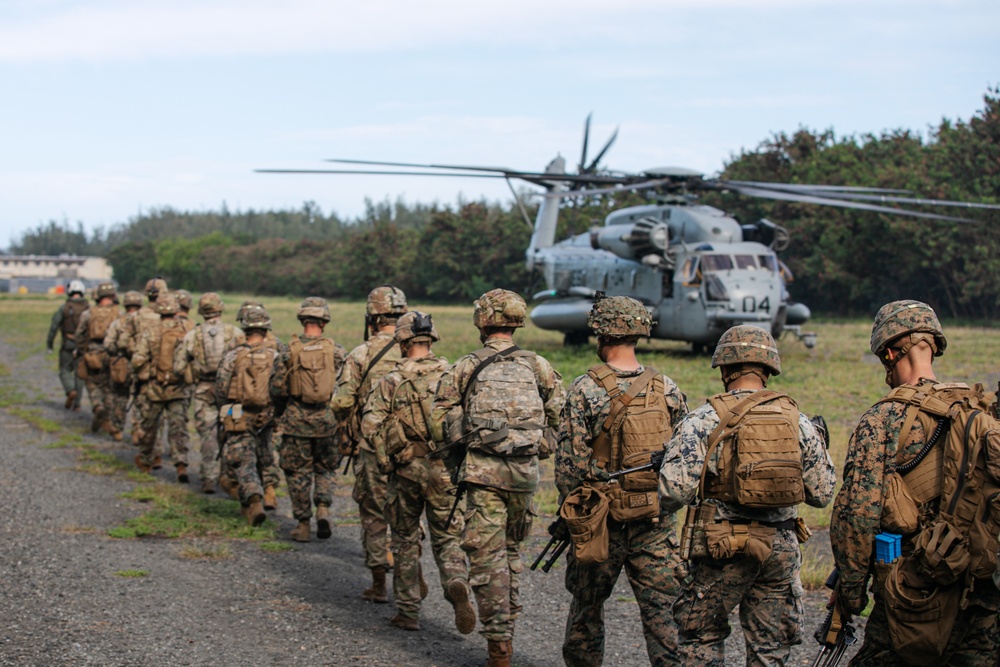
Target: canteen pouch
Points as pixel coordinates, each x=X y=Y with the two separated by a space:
x=234 y=420
x=942 y=552
x=802 y=531
x=585 y=511
x=95 y=360
x=628 y=506
x=726 y=540
x=920 y=613
x=899 y=509
x=119 y=370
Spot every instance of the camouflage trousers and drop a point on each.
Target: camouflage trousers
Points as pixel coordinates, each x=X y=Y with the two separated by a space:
x=769 y=596
x=974 y=641
x=269 y=474
x=119 y=402
x=310 y=466
x=140 y=407
x=68 y=377
x=99 y=390
x=206 y=420
x=248 y=456
x=648 y=552
x=426 y=488
x=496 y=522
x=175 y=414
x=370 y=490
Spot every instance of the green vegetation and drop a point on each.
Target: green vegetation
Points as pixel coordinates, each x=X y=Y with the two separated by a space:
x=32 y=416
x=97 y=462
x=276 y=547
x=132 y=574
x=206 y=552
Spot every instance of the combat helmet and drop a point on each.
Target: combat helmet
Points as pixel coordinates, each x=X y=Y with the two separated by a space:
x=166 y=304
x=386 y=300
x=619 y=317
x=184 y=299
x=899 y=318
x=256 y=317
x=500 y=308
x=155 y=287
x=416 y=327
x=314 y=308
x=747 y=344
x=76 y=287
x=106 y=290
x=132 y=299
x=210 y=305
x=244 y=307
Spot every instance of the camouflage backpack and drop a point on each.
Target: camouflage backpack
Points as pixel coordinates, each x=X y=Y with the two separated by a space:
x=170 y=339
x=101 y=318
x=502 y=406
x=405 y=430
x=212 y=348
x=312 y=373
x=249 y=385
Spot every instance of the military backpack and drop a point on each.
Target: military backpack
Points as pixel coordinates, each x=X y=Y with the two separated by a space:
x=212 y=349
x=405 y=431
x=72 y=310
x=249 y=386
x=312 y=376
x=170 y=338
x=101 y=318
x=504 y=411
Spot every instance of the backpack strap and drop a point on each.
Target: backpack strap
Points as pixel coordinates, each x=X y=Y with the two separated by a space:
x=378 y=357
x=735 y=415
x=605 y=377
x=486 y=357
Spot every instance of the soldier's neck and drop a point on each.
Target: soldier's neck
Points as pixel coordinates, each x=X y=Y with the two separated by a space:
x=620 y=357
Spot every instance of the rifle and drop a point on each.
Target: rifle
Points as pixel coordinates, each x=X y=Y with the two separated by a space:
x=836 y=633
x=560 y=532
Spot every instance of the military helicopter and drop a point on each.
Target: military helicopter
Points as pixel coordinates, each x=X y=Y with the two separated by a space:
x=698 y=270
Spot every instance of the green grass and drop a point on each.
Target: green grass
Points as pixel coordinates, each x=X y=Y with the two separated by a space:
x=96 y=462
x=33 y=417
x=276 y=547
x=207 y=552
x=66 y=440
x=132 y=574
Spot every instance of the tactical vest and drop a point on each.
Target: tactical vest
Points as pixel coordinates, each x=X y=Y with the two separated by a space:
x=760 y=457
x=170 y=338
x=72 y=310
x=958 y=469
x=250 y=382
x=503 y=409
x=101 y=318
x=377 y=364
x=312 y=375
x=405 y=430
x=209 y=349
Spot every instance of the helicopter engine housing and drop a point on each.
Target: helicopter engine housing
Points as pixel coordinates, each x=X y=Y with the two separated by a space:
x=636 y=240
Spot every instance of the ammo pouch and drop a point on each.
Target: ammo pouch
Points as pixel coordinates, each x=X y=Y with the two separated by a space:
x=81 y=368
x=942 y=552
x=233 y=418
x=920 y=613
x=119 y=370
x=726 y=540
x=585 y=511
x=95 y=360
x=628 y=506
x=900 y=513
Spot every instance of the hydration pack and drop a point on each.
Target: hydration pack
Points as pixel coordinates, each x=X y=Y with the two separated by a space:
x=213 y=348
x=170 y=338
x=101 y=318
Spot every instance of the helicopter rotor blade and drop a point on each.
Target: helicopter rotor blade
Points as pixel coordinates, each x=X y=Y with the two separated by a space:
x=373 y=172
x=586 y=139
x=377 y=163
x=799 y=187
x=911 y=200
x=593 y=165
x=625 y=187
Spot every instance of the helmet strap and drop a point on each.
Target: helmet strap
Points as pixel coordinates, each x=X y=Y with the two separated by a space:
x=740 y=370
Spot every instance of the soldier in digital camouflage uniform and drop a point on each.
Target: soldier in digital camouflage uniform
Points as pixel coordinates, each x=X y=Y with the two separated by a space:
x=646 y=549
x=145 y=319
x=306 y=447
x=202 y=350
x=364 y=367
x=499 y=489
x=768 y=593
x=164 y=391
x=247 y=450
x=64 y=322
x=116 y=344
x=906 y=336
x=395 y=422
x=89 y=336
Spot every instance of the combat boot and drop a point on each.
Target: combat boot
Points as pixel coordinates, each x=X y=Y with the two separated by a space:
x=405 y=622
x=157 y=462
x=116 y=435
x=97 y=421
x=377 y=591
x=207 y=486
x=323 y=530
x=499 y=653
x=70 y=400
x=254 y=512
x=142 y=465
x=270 y=498
x=182 y=474
x=301 y=532
x=460 y=598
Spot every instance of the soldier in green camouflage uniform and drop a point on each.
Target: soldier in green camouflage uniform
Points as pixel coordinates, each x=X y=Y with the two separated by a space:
x=202 y=350
x=499 y=488
x=64 y=321
x=306 y=447
x=247 y=452
x=89 y=336
x=145 y=319
x=364 y=367
x=116 y=344
x=906 y=336
x=768 y=593
x=395 y=422
x=164 y=393
x=646 y=549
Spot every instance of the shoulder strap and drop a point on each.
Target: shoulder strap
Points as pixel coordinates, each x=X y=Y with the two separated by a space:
x=485 y=361
x=378 y=357
x=604 y=376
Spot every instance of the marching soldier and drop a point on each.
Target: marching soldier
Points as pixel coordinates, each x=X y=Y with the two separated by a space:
x=747 y=554
x=597 y=436
x=395 y=422
x=497 y=403
x=145 y=319
x=64 y=322
x=120 y=368
x=92 y=357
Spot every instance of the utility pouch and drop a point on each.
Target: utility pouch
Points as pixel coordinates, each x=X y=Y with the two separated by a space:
x=81 y=368
x=991 y=447
x=726 y=540
x=233 y=419
x=942 y=552
x=95 y=360
x=920 y=613
x=628 y=506
x=694 y=543
x=899 y=508
x=119 y=370
x=585 y=511
x=802 y=531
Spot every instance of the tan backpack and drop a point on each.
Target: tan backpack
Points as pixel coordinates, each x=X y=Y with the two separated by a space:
x=312 y=376
x=405 y=431
x=170 y=338
x=250 y=383
x=760 y=458
x=502 y=404
x=101 y=318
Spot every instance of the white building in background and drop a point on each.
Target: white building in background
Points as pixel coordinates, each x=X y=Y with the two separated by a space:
x=50 y=273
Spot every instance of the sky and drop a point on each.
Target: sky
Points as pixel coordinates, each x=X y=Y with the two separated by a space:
x=109 y=107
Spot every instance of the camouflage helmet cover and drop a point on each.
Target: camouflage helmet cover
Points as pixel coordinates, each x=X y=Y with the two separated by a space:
x=747 y=344
x=619 y=316
x=899 y=318
x=155 y=287
x=105 y=290
x=256 y=317
x=416 y=326
x=76 y=287
x=132 y=299
x=500 y=308
x=244 y=307
x=184 y=299
x=166 y=304
x=386 y=300
x=314 y=307
x=210 y=303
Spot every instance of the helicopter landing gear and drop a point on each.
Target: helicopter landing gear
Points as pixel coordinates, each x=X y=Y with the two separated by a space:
x=576 y=339
x=808 y=338
x=701 y=349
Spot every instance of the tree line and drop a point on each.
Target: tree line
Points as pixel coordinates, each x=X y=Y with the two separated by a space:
x=845 y=262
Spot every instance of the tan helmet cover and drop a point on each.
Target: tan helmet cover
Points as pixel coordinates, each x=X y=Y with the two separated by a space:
x=166 y=304
x=244 y=307
x=500 y=308
x=256 y=317
x=899 y=318
x=184 y=299
x=386 y=300
x=416 y=327
x=619 y=316
x=132 y=298
x=155 y=287
x=210 y=304
x=314 y=307
x=747 y=344
x=105 y=290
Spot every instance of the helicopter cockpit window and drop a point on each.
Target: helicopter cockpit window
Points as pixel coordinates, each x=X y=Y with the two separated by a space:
x=768 y=262
x=690 y=272
x=745 y=262
x=716 y=262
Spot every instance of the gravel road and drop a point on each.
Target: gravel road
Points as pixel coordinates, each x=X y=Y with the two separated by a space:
x=63 y=603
